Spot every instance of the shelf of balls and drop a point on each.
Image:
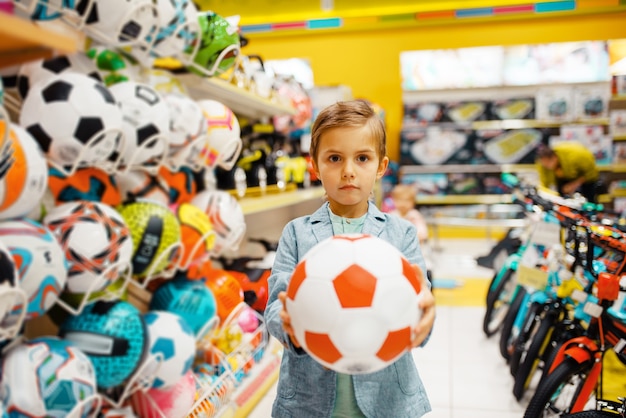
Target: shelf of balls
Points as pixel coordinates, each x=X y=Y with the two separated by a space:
x=240 y=101
x=21 y=41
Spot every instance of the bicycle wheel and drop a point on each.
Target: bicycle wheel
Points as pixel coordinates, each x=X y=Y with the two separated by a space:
x=560 y=390
x=498 y=303
x=520 y=342
x=538 y=343
x=507 y=325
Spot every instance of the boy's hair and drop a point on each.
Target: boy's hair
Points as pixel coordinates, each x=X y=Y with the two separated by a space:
x=544 y=151
x=353 y=113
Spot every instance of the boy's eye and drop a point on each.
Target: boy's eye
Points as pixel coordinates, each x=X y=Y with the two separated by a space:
x=333 y=158
x=362 y=158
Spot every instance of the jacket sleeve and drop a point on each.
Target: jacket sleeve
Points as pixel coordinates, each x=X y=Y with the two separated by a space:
x=284 y=265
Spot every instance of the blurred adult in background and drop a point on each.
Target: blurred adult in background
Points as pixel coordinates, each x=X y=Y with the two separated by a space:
x=569 y=167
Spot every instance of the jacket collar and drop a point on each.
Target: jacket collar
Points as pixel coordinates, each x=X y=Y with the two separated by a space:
x=322 y=227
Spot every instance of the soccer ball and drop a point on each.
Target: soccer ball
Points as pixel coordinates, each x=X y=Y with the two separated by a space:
x=35 y=71
x=11 y=296
x=41 y=9
x=171 y=338
x=223 y=135
x=226 y=216
x=58 y=377
x=156 y=237
x=115 y=22
x=113 y=335
x=183 y=184
x=169 y=403
x=114 y=65
x=146 y=119
x=75 y=119
x=178 y=28
x=24 y=172
x=96 y=241
x=141 y=185
x=353 y=301
x=191 y=299
x=217 y=47
x=197 y=235
x=87 y=183
x=40 y=263
x=188 y=129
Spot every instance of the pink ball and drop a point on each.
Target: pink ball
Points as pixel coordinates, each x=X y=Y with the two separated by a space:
x=174 y=402
x=248 y=320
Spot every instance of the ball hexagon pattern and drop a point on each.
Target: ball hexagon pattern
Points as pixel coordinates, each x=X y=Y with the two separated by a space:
x=353 y=300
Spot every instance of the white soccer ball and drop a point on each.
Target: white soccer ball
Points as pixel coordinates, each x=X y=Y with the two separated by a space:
x=115 y=22
x=40 y=263
x=141 y=185
x=41 y=9
x=188 y=132
x=48 y=377
x=96 y=241
x=146 y=118
x=34 y=71
x=353 y=301
x=171 y=337
x=223 y=135
x=178 y=28
x=74 y=118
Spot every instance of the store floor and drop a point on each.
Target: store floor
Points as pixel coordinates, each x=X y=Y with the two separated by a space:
x=463 y=371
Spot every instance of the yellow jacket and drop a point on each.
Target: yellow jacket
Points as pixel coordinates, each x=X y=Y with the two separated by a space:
x=575 y=161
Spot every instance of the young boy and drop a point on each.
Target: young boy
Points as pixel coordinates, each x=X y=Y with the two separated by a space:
x=348 y=148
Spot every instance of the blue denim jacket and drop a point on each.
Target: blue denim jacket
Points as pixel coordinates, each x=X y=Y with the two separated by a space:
x=305 y=388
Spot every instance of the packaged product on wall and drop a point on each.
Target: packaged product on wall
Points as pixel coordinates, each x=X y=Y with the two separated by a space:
x=466 y=111
x=464 y=183
x=514 y=108
x=591 y=102
x=619 y=152
x=427 y=184
x=493 y=184
x=617 y=122
x=434 y=145
x=555 y=103
x=422 y=114
x=513 y=146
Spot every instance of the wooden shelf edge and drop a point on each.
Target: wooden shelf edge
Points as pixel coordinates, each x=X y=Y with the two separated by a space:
x=251 y=205
x=22 y=40
x=240 y=101
x=463 y=199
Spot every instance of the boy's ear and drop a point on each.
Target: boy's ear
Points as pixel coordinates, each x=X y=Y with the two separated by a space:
x=382 y=167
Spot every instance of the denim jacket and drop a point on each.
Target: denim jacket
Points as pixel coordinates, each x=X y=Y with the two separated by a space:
x=305 y=388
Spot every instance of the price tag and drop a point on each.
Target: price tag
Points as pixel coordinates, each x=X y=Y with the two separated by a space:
x=579 y=296
x=547 y=233
x=530 y=257
x=592 y=309
x=532 y=277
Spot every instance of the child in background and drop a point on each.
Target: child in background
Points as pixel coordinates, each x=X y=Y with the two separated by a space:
x=349 y=155
x=403 y=205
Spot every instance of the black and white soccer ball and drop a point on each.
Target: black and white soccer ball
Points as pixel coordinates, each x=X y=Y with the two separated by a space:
x=146 y=119
x=178 y=28
x=115 y=22
x=75 y=119
x=34 y=71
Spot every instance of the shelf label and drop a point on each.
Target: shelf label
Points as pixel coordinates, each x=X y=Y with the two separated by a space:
x=547 y=233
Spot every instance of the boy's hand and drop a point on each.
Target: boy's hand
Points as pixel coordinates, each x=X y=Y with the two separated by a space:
x=427 y=305
x=282 y=296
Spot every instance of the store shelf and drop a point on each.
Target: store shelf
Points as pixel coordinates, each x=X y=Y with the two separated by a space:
x=619 y=137
x=267 y=202
x=486 y=199
x=467 y=168
x=242 y=102
x=22 y=40
x=511 y=124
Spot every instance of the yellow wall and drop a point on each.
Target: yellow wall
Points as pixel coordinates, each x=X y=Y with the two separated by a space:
x=368 y=61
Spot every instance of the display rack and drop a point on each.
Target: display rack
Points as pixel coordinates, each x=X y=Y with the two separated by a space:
x=22 y=40
x=240 y=101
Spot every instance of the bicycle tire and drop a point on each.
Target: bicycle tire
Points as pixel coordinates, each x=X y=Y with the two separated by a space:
x=520 y=342
x=507 y=324
x=552 y=390
x=494 y=313
x=593 y=414
x=528 y=366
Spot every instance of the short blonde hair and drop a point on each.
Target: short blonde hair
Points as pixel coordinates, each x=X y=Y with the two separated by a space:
x=352 y=113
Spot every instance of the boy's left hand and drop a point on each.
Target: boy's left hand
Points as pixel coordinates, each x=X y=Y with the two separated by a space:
x=427 y=305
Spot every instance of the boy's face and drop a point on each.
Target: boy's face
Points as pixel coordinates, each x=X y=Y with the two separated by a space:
x=404 y=203
x=549 y=163
x=348 y=167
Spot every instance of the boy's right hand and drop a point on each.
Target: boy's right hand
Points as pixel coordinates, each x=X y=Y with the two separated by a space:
x=282 y=296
